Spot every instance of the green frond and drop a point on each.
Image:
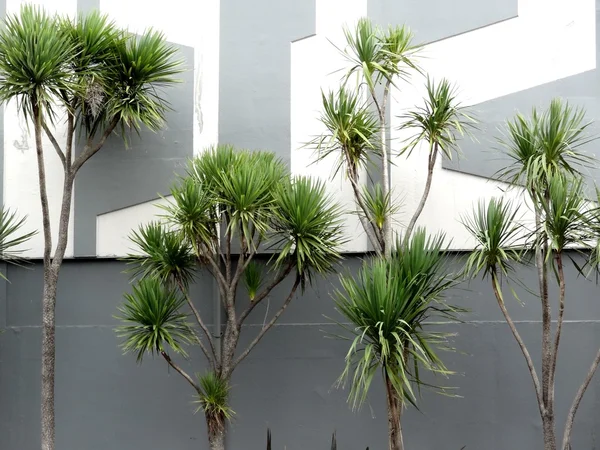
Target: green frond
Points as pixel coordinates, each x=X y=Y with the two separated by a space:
x=379 y=206
x=213 y=399
x=496 y=229
x=441 y=122
x=146 y=65
x=308 y=227
x=380 y=55
x=388 y=304
x=352 y=130
x=11 y=236
x=36 y=54
x=162 y=254
x=240 y=183
x=546 y=144
x=192 y=212
x=95 y=63
x=152 y=320
x=564 y=221
x=253 y=278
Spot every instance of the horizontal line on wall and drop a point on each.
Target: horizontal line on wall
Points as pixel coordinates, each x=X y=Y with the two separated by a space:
x=325 y=324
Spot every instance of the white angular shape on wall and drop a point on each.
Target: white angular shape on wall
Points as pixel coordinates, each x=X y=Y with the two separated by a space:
x=114 y=228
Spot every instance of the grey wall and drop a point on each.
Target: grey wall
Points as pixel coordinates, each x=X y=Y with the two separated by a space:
x=484 y=155
x=105 y=401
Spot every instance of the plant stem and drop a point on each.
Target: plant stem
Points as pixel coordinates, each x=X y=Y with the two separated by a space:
x=517 y=336
x=373 y=233
x=433 y=152
x=394 y=415
x=180 y=371
x=560 y=320
x=577 y=400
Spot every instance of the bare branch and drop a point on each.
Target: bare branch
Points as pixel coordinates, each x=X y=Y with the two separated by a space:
x=268 y=326
x=56 y=145
x=70 y=134
x=430 y=166
x=577 y=400
x=517 y=336
x=560 y=320
x=180 y=371
x=212 y=359
x=39 y=121
x=371 y=230
x=91 y=150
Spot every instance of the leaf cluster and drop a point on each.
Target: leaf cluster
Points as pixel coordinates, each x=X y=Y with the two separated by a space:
x=388 y=305
x=88 y=66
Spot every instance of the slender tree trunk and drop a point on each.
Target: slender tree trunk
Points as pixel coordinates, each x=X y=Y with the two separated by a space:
x=394 y=415
x=48 y=358
x=430 y=166
x=541 y=251
x=216 y=433
x=549 y=432
x=385 y=170
x=52 y=265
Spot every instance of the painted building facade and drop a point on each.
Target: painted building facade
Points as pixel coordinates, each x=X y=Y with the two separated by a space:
x=255 y=70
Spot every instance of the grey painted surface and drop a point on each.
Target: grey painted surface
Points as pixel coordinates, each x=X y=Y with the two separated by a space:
x=118 y=177
x=106 y=401
x=85 y=6
x=486 y=156
x=432 y=20
x=254 y=68
x=255 y=43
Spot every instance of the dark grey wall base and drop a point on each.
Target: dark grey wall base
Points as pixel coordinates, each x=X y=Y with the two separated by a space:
x=105 y=401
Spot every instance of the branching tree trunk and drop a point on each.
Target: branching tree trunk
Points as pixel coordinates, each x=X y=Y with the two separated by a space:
x=225 y=235
x=67 y=62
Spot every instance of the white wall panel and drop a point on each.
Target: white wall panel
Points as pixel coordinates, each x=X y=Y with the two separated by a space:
x=548 y=41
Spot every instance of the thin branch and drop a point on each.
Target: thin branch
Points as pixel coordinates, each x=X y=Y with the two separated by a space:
x=278 y=279
x=180 y=371
x=268 y=326
x=430 y=166
x=540 y=260
x=56 y=145
x=560 y=320
x=517 y=336
x=577 y=400
x=91 y=150
x=213 y=359
x=39 y=121
x=372 y=232
x=385 y=166
x=70 y=134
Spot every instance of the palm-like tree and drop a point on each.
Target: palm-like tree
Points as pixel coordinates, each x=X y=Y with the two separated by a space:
x=440 y=122
x=230 y=208
x=100 y=78
x=546 y=159
x=388 y=305
x=380 y=58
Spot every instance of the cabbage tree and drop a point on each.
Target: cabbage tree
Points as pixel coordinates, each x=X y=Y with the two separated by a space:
x=240 y=216
x=101 y=80
x=547 y=160
x=387 y=306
